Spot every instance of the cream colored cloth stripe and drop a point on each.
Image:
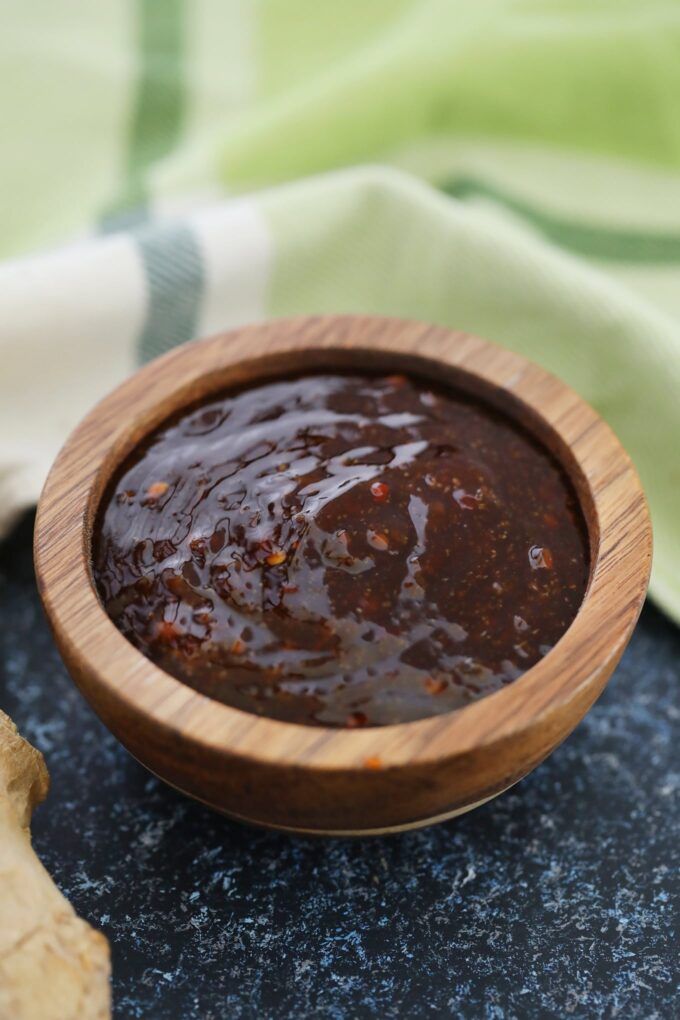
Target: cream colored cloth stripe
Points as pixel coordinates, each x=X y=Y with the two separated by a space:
x=237 y=246
x=75 y=323
x=206 y=273
x=68 y=333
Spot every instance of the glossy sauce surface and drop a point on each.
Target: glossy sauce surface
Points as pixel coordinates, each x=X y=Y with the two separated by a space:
x=342 y=550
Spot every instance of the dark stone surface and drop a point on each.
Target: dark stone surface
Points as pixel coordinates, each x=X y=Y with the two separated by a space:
x=557 y=900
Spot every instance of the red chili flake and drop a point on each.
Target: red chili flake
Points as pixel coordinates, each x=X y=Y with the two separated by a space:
x=433 y=686
x=465 y=500
x=276 y=558
x=167 y=631
x=355 y=719
x=238 y=647
x=396 y=380
x=380 y=491
x=377 y=539
x=550 y=520
x=540 y=558
x=176 y=585
x=289 y=589
x=374 y=763
x=157 y=489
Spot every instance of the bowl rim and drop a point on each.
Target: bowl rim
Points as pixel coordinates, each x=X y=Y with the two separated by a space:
x=104 y=663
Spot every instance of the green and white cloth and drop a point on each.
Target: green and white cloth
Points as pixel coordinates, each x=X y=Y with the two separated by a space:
x=509 y=167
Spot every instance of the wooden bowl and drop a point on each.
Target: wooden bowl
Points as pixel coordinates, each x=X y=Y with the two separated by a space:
x=317 y=779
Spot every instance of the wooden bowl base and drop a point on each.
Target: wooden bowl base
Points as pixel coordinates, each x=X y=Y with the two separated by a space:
x=299 y=830
x=389 y=830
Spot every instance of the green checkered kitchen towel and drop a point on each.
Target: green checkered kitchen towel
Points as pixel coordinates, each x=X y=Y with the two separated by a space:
x=509 y=167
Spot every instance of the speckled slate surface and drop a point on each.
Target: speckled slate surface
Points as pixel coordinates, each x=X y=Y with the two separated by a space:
x=557 y=900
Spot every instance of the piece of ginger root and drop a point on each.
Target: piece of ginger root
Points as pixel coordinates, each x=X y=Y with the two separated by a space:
x=53 y=966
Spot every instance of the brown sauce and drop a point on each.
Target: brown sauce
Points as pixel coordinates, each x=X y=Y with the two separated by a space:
x=342 y=550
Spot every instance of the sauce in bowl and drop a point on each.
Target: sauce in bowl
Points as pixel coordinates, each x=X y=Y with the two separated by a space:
x=342 y=550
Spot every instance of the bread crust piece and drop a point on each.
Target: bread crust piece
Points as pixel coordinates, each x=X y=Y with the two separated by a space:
x=53 y=965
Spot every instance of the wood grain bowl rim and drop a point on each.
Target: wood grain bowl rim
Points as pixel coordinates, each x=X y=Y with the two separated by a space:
x=567 y=680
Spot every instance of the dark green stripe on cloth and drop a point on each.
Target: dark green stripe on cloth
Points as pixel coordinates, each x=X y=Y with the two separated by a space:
x=173 y=268
x=171 y=258
x=158 y=107
x=606 y=243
